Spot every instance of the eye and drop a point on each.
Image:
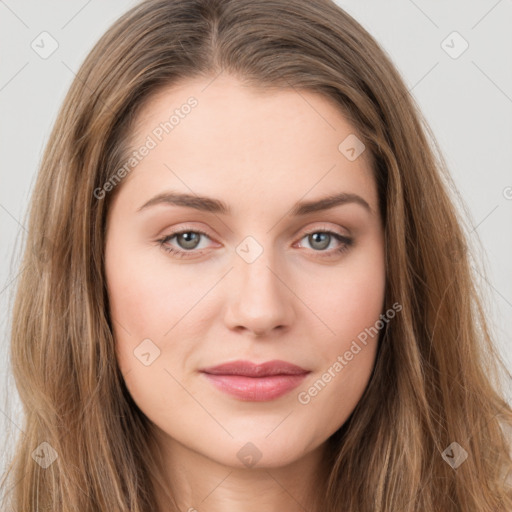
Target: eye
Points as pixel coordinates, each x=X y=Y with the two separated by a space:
x=188 y=240
x=319 y=240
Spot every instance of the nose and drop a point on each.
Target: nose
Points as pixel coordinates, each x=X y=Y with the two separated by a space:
x=260 y=301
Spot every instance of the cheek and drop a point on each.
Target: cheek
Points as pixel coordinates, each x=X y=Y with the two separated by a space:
x=135 y=300
x=349 y=300
x=348 y=351
x=150 y=299
x=146 y=304
x=351 y=313
x=147 y=295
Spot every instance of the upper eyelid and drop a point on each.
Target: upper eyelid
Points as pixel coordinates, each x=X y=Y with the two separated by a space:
x=205 y=232
x=305 y=233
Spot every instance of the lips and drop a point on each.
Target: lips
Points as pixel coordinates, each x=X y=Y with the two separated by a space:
x=255 y=382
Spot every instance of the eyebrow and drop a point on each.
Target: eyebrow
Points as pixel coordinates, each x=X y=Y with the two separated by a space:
x=209 y=204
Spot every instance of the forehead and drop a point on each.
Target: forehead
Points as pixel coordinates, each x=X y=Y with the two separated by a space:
x=260 y=143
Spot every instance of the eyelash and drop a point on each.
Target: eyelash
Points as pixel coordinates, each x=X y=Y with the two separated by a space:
x=346 y=243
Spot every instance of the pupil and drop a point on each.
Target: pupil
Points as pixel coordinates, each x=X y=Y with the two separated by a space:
x=190 y=239
x=315 y=238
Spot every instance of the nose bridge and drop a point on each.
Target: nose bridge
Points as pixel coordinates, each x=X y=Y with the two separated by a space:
x=261 y=300
x=257 y=268
x=259 y=274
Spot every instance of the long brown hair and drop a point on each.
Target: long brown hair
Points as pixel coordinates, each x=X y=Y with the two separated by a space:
x=438 y=377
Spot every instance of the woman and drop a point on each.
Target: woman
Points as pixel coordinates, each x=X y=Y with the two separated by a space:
x=246 y=285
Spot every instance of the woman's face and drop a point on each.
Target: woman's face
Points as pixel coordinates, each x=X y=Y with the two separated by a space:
x=265 y=269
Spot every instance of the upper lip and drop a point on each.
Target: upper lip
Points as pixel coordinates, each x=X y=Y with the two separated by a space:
x=250 y=369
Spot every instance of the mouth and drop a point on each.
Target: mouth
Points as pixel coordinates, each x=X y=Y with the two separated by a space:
x=248 y=381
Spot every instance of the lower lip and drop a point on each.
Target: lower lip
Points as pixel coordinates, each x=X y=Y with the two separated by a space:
x=256 y=389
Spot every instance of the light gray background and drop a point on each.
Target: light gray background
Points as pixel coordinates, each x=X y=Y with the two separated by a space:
x=467 y=102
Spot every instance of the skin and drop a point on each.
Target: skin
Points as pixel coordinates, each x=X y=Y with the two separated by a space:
x=260 y=153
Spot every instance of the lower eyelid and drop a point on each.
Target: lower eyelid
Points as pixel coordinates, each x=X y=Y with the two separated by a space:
x=342 y=239
x=164 y=240
x=334 y=234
